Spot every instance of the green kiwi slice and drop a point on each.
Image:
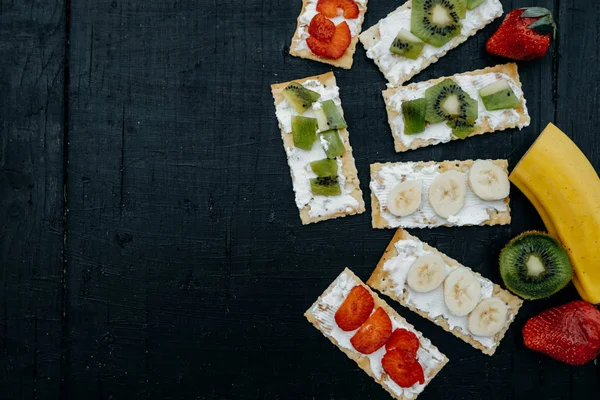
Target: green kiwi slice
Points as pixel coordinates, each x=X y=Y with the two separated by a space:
x=330 y=117
x=332 y=143
x=304 y=132
x=499 y=96
x=534 y=265
x=436 y=21
x=325 y=186
x=413 y=112
x=407 y=45
x=471 y=4
x=325 y=167
x=300 y=97
x=461 y=8
x=461 y=128
x=447 y=101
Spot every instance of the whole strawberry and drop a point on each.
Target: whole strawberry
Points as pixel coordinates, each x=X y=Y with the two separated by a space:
x=569 y=333
x=525 y=34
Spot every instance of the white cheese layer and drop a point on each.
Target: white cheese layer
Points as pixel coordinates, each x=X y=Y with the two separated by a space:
x=398 y=69
x=474 y=211
x=299 y=160
x=431 y=302
x=324 y=311
x=441 y=133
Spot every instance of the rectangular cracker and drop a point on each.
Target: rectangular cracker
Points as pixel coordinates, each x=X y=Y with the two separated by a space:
x=381 y=280
x=372 y=36
x=299 y=50
x=321 y=315
x=352 y=184
x=495 y=217
x=483 y=125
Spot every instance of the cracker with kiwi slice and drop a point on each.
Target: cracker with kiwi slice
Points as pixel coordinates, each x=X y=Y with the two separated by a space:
x=348 y=168
x=381 y=281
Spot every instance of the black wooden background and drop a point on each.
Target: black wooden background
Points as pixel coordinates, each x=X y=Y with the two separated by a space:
x=150 y=247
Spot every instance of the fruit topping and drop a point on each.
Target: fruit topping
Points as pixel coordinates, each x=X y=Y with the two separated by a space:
x=427 y=273
x=402 y=368
x=534 y=265
x=407 y=45
x=569 y=333
x=326 y=186
x=332 y=143
x=304 y=132
x=335 y=47
x=447 y=193
x=435 y=21
x=461 y=128
x=321 y=28
x=299 y=97
x=325 y=167
x=413 y=112
x=488 y=181
x=462 y=291
x=330 y=117
x=447 y=101
x=405 y=340
x=404 y=198
x=488 y=318
x=461 y=8
x=374 y=333
x=329 y=8
x=355 y=309
x=471 y=4
x=498 y=96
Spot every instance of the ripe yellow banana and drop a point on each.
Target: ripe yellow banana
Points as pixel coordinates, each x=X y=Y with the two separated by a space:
x=563 y=186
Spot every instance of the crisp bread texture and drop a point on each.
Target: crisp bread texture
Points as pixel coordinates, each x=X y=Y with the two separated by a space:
x=495 y=217
x=482 y=127
x=360 y=359
x=343 y=62
x=381 y=281
x=371 y=36
x=349 y=171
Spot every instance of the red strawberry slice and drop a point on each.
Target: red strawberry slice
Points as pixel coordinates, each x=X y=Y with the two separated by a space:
x=403 y=339
x=337 y=45
x=374 y=333
x=403 y=368
x=329 y=8
x=321 y=28
x=569 y=333
x=355 y=309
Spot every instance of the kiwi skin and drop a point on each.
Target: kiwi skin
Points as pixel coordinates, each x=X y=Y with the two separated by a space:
x=553 y=279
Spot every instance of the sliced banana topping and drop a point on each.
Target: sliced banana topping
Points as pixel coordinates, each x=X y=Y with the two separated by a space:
x=462 y=291
x=426 y=273
x=488 y=318
x=447 y=193
x=404 y=198
x=488 y=181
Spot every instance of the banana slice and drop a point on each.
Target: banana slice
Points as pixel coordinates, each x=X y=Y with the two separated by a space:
x=488 y=318
x=462 y=291
x=405 y=198
x=488 y=181
x=447 y=193
x=427 y=273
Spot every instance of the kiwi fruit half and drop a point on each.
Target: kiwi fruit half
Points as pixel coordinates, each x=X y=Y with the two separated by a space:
x=304 y=132
x=407 y=45
x=413 y=112
x=300 y=97
x=534 y=265
x=499 y=96
x=471 y=4
x=436 y=21
x=325 y=186
x=330 y=117
x=332 y=143
x=446 y=101
x=325 y=167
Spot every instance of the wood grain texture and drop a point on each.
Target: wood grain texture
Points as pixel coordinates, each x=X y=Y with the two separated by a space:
x=187 y=268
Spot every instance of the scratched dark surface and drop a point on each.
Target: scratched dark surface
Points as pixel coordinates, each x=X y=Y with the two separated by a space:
x=150 y=247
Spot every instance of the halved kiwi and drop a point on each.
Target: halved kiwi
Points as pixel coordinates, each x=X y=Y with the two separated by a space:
x=447 y=101
x=534 y=265
x=326 y=186
x=436 y=21
x=300 y=97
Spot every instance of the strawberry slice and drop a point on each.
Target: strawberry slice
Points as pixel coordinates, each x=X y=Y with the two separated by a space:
x=321 y=28
x=374 y=333
x=329 y=8
x=403 y=368
x=403 y=339
x=337 y=45
x=355 y=310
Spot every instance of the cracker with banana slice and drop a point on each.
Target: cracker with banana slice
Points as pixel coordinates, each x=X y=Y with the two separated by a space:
x=322 y=314
x=439 y=288
x=431 y=194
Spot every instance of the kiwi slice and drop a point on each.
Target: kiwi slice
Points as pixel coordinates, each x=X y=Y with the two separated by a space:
x=407 y=45
x=447 y=101
x=461 y=8
x=325 y=167
x=329 y=116
x=461 y=128
x=325 y=186
x=304 y=132
x=499 y=96
x=413 y=112
x=332 y=143
x=435 y=21
x=471 y=4
x=300 y=97
x=534 y=265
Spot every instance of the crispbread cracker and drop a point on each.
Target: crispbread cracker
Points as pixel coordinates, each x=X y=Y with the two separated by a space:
x=483 y=127
x=349 y=171
x=343 y=62
x=381 y=281
x=496 y=218
x=362 y=360
x=371 y=36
